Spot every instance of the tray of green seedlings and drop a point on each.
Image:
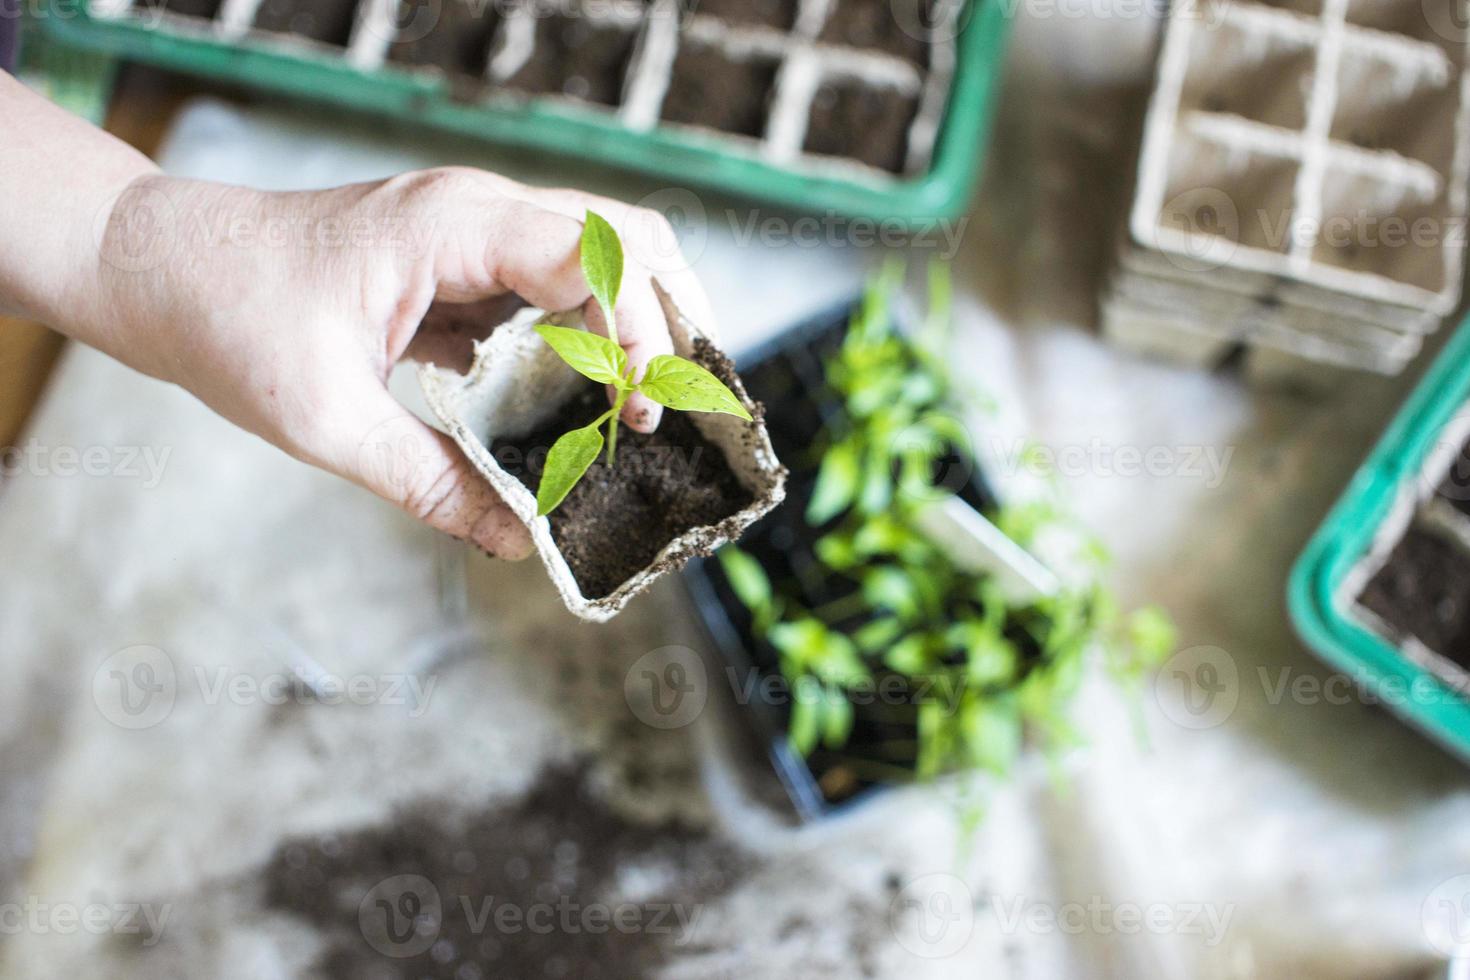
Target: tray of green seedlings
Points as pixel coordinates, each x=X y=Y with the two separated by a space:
x=862 y=107
x=1382 y=591
x=877 y=627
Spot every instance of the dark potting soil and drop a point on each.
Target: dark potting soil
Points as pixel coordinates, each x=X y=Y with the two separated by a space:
x=618 y=518
x=327 y=21
x=708 y=89
x=1424 y=590
x=576 y=58
x=896 y=27
x=851 y=119
x=454 y=35
x=560 y=847
x=780 y=14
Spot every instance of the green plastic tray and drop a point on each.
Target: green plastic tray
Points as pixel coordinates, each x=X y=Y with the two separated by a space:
x=1346 y=536
x=678 y=155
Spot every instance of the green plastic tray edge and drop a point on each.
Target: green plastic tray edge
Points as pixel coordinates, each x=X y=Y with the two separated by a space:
x=1347 y=533
x=681 y=157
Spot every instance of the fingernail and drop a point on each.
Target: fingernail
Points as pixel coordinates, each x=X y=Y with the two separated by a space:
x=643 y=414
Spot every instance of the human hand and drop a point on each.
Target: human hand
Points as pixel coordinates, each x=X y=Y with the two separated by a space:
x=285 y=312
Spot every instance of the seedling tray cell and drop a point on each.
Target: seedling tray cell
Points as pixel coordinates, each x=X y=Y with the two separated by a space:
x=1285 y=145
x=787 y=376
x=802 y=102
x=1382 y=591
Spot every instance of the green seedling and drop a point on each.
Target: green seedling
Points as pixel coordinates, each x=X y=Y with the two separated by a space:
x=672 y=381
x=982 y=669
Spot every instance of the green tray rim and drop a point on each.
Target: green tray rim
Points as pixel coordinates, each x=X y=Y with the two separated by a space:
x=684 y=157
x=1347 y=533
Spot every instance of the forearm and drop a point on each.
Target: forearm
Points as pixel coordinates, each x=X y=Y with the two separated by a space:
x=61 y=178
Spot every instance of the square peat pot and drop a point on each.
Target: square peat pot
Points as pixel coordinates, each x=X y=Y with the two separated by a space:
x=1382 y=590
x=786 y=375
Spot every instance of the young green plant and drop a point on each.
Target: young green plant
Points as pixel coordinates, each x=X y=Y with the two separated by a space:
x=671 y=381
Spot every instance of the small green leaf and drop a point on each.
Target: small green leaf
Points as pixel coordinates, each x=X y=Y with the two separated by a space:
x=747 y=579
x=684 y=385
x=565 y=464
x=602 y=264
x=837 y=483
x=587 y=353
x=889 y=587
x=908 y=656
x=805 y=724
x=837 y=720
x=1152 y=633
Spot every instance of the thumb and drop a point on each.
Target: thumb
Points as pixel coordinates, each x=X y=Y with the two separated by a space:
x=407 y=463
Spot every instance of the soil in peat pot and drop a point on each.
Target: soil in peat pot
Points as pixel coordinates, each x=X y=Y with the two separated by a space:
x=457 y=41
x=1424 y=590
x=708 y=89
x=618 y=518
x=855 y=120
x=327 y=21
x=578 y=59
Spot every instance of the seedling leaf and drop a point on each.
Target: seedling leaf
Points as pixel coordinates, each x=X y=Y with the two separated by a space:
x=587 y=353
x=747 y=578
x=565 y=464
x=837 y=483
x=602 y=264
x=685 y=386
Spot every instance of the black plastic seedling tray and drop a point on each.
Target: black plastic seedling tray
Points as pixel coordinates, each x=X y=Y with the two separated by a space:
x=787 y=376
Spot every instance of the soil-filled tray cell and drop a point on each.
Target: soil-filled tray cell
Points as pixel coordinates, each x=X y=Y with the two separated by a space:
x=1424 y=591
x=1240 y=195
x=1372 y=226
x=326 y=21
x=1404 y=107
x=578 y=59
x=861 y=122
x=204 y=9
x=710 y=89
x=902 y=28
x=777 y=14
x=454 y=35
x=1255 y=76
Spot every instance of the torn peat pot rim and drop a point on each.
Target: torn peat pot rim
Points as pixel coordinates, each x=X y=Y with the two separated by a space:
x=607 y=527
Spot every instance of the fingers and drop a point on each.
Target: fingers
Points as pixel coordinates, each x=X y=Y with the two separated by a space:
x=649 y=236
x=644 y=333
x=409 y=464
x=502 y=237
